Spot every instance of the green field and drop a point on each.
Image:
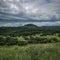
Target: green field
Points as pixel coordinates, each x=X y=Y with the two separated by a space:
x=31 y=52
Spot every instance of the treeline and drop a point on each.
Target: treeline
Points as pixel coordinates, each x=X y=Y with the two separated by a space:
x=8 y=41
x=8 y=35
x=36 y=40
x=25 y=31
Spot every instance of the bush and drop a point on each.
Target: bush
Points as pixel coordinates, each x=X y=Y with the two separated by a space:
x=38 y=40
x=29 y=39
x=52 y=40
x=43 y=40
x=20 y=43
x=2 y=40
x=11 y=41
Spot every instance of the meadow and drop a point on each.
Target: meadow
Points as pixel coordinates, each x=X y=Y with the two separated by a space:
x=49 y=51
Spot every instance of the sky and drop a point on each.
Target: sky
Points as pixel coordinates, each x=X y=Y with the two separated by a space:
x=21 y=12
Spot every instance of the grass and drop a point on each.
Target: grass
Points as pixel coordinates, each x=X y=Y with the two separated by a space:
x=31 y=52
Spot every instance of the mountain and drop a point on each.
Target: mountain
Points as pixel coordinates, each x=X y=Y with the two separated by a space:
x=30 y=25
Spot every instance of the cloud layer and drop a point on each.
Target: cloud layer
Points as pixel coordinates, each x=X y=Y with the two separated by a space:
x=29 y=10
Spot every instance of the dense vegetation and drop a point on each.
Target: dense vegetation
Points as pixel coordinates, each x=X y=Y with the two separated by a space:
x=31 y=52
x=29 y=34
x=30 y=42
x=29 y=30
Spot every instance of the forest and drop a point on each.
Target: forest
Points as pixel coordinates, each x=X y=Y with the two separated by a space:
x=29 y=34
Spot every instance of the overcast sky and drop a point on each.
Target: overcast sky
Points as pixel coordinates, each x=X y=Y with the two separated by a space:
x=21 y=12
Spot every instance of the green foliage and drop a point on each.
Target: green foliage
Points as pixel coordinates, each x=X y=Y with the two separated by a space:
x=8 y=41
x=2 y=41
x=42 y=39
x=29 y=34
x=33 y=35
x=12 y=41
x=24 y=40
x=28 y=30
x=31 y=52
x=20 y=43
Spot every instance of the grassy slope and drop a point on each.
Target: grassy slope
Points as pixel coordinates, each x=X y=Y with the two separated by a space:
x=31 y=52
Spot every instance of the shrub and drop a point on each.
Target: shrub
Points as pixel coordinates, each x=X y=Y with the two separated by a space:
x=2 y=40
x=11 y=41
x=20 y=43
x=38 y=40
x=52 y=40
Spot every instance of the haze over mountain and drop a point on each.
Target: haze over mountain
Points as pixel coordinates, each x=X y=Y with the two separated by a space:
x=22 y=12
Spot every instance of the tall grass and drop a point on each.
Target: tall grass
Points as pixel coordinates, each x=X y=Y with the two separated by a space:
x=31 y=52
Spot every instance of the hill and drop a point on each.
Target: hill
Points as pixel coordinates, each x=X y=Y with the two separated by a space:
x=30 y=26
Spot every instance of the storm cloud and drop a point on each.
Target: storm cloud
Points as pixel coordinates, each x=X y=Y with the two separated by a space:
x=20 y=12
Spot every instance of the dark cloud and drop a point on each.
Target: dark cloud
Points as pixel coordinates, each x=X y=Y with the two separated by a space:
x=29 y=11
